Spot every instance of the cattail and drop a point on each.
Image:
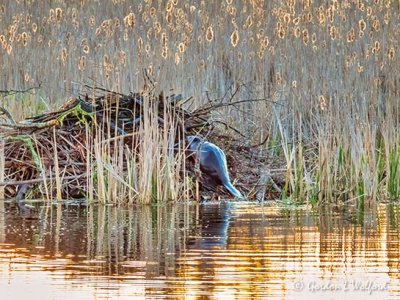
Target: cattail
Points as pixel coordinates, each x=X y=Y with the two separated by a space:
x=351 y=36
x=64 y=55
x=377 y=46
x=24 y=38
x=149 y=33
x=122 y=58
x=321 y=16
x=153 y=12
x=390 y=53
x=305 y=36
x=51 y=15
x=9 y=49
x=140 y=44
x=170 y=6
x=82 y=63
x=278 y=78
x=92 y=21
x=362 y=25
x=231 y=10
x=322 y=102
x=265 y=42
x=297 y=31
x=280 y=31
x=86 y=49
x=272 y=50
x=333 y=32
x=306 y=4
x=58 y=14
x=129 y=20
x=164 y=52
x=106 y=61
x=145 y=17
x=150 y=70
x=235 y=38
x=249 y=22
x=157 y=27
x=369 y=11
x=182 y=47
x=209 y=34
x=164 y=39
x=309 y=17
x=117 y=23
x=286 y=18
x=386 y=18
x=376 y=25
x=330 y=14
x=314 y=38
x=74 y=14
x=335 y=5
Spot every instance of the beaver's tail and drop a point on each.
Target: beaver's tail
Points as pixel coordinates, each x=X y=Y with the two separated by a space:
x=234 y=191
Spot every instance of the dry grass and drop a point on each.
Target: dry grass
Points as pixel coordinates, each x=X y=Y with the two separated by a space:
x=328 y=71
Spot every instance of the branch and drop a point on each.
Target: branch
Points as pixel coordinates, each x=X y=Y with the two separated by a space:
x=13 y=92
x=205 y=110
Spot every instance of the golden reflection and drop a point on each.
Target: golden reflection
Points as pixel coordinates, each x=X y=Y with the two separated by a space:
x=220 y=251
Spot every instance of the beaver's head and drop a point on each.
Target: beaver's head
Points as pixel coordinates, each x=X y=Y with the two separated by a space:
x=194 y=141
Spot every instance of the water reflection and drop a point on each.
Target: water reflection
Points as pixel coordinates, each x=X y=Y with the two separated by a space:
x=219 y=251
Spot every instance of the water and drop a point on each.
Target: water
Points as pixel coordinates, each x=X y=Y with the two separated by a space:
x=210 y=251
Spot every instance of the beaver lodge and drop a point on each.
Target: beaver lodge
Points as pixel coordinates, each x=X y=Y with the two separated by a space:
x=110 y=147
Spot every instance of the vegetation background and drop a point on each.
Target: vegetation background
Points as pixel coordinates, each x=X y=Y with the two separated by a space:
x=321 y=77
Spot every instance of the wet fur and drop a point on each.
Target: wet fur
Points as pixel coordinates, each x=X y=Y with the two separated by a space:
x=212 y=162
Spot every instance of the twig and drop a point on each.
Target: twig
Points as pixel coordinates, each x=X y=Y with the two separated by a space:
x=205 y=110
x=36 y=180
x=13 y=92
x=8 y=115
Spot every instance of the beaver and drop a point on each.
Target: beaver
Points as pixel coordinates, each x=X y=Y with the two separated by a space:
x=212 y=162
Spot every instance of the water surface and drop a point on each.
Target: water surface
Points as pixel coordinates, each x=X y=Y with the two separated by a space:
x=208 y=251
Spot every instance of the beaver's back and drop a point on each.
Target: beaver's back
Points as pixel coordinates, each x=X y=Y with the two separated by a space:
x=213 y=162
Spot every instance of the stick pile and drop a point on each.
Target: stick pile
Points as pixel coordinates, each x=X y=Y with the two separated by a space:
x=50 y=147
